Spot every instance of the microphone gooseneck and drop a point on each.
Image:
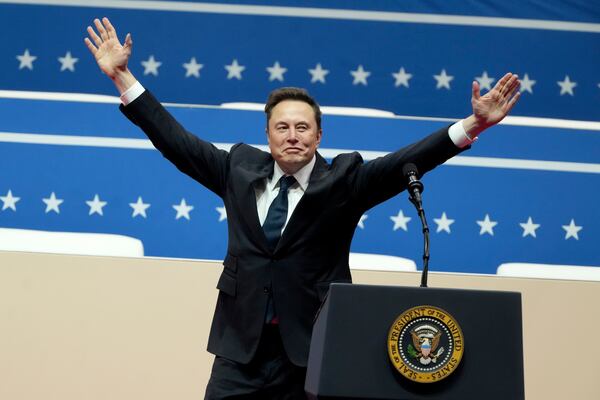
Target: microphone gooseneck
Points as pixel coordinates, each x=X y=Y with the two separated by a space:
x=415 y=188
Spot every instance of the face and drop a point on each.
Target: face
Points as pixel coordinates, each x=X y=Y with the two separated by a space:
x=293 y=135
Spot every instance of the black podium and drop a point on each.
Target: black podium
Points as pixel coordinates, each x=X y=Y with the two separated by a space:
x=349 y=354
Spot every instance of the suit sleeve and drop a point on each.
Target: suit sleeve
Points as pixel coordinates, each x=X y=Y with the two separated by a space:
x=380 y=179
x=193 y=156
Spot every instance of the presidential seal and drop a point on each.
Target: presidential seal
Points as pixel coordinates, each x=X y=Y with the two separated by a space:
x=425 y=344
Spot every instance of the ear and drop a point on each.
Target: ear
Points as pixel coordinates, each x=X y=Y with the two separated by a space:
x=267 y=133
x=319 y=135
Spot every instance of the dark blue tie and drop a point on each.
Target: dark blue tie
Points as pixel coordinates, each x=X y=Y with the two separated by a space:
x=278 y=212
x=272 y=227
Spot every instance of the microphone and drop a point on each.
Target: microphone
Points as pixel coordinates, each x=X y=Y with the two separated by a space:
x=415 y=188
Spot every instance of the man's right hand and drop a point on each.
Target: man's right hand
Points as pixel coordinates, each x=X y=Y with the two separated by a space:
x=111 y=56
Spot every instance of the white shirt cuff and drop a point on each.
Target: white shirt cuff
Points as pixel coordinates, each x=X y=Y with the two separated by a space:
x=458 y=135
x=132 y=93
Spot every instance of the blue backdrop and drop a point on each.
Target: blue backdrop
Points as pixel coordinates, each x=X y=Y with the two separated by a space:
x=555 y=44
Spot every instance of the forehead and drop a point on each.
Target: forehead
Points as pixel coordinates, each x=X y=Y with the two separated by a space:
x=292 y=111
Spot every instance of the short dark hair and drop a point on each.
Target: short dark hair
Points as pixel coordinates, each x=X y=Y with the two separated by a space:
x=292 y=93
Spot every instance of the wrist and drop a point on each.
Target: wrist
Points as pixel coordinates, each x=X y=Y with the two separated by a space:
x=123 y=80
x=473 y=127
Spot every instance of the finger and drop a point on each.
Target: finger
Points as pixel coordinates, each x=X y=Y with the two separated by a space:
x=94 y=36
x=509 y=85
x=512 y=102
x=90 y=46
x=512 y=86
x=101 y=29
x=475 y=89
x=110 y=29
x=128 y=41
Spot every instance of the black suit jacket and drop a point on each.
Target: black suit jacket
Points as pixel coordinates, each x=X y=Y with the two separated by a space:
x=314 y=247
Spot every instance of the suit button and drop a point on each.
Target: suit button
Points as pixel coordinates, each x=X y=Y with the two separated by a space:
x=266 y=289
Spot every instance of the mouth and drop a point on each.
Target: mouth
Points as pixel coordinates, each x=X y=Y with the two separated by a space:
x=292 y=150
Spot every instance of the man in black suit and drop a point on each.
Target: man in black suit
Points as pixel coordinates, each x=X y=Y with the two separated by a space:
x=291 y=217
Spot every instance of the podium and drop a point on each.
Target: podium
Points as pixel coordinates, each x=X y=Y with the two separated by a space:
x=349 y=349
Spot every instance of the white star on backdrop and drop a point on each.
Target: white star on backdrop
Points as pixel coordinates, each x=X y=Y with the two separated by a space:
x=183 y=210
x=572 y=230
x=400 y=221
x=9 y=201
x=96 y=205
x=52 y=203
x=487 y=225
x=361 y=222
x=67 y=62
x=566 y=86
x=443 y=224
x=401 y=77
x=234 y=70
x=527 y=84
x=192 y=68
x=276 y=72
x=139 y=208
x=222 y=213
x=318 y=74
x=485 y=81
x=529 y=227
x=151 y=66
x=360 y=76
x=443 y=80
x=26 y=60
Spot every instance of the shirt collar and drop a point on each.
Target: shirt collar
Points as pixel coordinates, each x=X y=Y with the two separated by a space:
x=302 y=175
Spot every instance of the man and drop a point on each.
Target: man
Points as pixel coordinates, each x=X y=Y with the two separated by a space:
x=291 y=217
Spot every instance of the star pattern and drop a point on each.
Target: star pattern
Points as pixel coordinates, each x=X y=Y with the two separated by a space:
x=361 y=222
x=529 y=227
x=96 y=205
x=139 y=208
x=183 y=210
x=443 y=80
x=192 y=68
x=566 y=86
x=360 y=76
x=572 y=230
x=527 y=84
x=401 y=78
x=276 y=72
x=443 y=223
x=52 y=203
x=485 y=81
x=318 y=74
x=222 y=213
x=26 y=60
x=234 y=70
x=67 y=63
x=487 y=225
x=400 y=221
x=9 y=201
x=151 y=66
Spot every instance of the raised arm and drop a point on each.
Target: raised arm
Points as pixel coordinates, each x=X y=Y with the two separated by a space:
x=110 y=54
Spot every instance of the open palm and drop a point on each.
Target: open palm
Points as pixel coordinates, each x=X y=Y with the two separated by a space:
x=492 y=107
x=110 y=55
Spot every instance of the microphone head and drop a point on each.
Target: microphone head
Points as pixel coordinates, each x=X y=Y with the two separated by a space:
x=409 y=169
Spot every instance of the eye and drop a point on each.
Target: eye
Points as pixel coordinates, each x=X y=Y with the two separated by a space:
x=302 y=128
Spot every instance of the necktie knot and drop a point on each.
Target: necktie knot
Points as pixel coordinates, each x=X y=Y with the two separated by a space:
x=286 y=182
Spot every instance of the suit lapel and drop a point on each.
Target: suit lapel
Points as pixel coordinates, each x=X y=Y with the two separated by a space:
x=252 y=176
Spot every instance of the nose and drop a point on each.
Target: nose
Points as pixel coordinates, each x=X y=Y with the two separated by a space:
x=292 y=136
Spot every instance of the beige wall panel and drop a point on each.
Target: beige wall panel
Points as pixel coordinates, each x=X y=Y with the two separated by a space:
x=77 y=327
